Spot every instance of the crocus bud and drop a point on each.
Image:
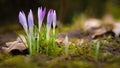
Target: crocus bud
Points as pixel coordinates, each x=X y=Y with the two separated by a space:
x=50 y=17
x=49 y=21
x=30 y=21
x=66 y=40
x=54 y=19
x=22 y=20
x=41 y=15
x=66 y=44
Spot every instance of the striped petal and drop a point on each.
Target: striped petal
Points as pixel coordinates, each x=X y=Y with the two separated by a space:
x=22 y=20
x=54 y=19
x=50 y=17
x=49 y=21
x=41 y=15
x=30 y=21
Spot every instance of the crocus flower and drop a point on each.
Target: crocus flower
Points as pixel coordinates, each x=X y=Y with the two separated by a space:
x=54 y=19
x=30 y=21
x=49 y=21
x=66 y=40
x=22 y=20
x=41 y=15
x=54 y=22
x=66 y=44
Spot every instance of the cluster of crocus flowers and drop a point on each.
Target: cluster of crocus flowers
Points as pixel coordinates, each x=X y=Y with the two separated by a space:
x=28 y=25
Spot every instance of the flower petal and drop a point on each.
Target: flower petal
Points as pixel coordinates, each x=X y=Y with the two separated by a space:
x=49 y=21
x=41 y=15
x=54 y=19
x=50 y=17
x=30 y=20
x=22 y=20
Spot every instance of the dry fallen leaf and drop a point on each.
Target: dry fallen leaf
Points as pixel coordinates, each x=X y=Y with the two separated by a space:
x=116 y=28
x=92 y=23
x=59 y=40
x=15 y=45
x=108 y=18
x=99 y=32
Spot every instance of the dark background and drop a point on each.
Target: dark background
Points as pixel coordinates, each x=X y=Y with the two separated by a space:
x=65 y=9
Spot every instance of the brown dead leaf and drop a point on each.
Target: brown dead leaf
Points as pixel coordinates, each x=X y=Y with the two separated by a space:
x=108 y=18
x=15 y=45
x=116 y=28
x=99 y=32
x=92 y=23
x=59 y=40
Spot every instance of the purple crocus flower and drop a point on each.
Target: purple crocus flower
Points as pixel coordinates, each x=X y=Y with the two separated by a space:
x=41 y=15
x=22 y=20
x=50 y=17
x=49 y=21
x=54 y=19
x=30 y=21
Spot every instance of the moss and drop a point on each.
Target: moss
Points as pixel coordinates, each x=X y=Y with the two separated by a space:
x=18 y=62
x=72 y=64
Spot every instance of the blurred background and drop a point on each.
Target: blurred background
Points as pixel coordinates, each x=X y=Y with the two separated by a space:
x=66 y=9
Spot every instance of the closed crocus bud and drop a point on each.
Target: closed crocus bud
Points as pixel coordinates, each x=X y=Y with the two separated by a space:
x=54 y=19
x=22 y=20
x=30 y=21
x=66 y=40
x=66 y=44
x=50 y=17
x=41 y=15
x=49 y=21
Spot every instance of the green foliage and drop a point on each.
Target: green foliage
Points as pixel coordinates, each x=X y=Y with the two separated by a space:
x=96 y=45
x=37 y=42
